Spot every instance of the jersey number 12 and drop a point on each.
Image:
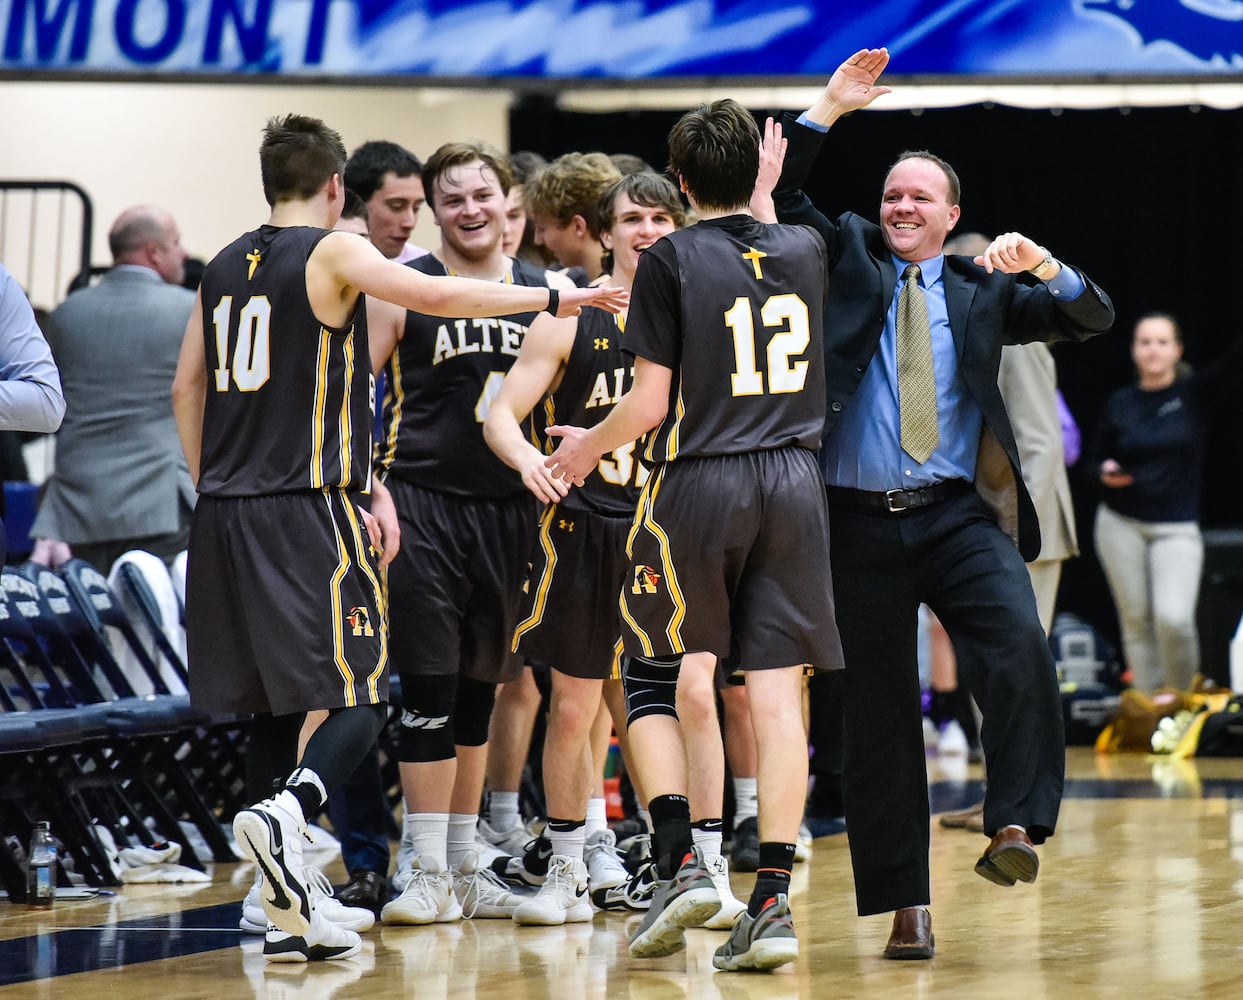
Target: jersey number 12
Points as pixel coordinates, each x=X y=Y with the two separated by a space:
x=786 y=310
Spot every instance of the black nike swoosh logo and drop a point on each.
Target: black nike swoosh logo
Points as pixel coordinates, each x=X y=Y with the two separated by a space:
x=279 y=897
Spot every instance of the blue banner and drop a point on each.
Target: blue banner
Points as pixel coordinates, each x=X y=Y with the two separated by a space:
x=628 y=39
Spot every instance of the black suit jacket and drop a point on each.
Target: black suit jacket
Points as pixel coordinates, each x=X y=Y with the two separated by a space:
x=986 y=311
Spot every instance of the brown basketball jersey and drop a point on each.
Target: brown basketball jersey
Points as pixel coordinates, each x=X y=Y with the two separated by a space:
x=596 y=376
x=440 y=383
x=289 y=401
x=735 y=308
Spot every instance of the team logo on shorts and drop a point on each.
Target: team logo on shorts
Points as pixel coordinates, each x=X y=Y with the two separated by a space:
x=645 y=580
x=360 y=621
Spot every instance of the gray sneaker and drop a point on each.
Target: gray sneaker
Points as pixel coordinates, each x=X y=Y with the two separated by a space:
x=760 y=943
x=686 y=900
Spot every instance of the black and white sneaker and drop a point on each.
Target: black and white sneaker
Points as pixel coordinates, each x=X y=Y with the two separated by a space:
x=324 y=941
x=531 y=869
x=271 y=833
x=634 y=894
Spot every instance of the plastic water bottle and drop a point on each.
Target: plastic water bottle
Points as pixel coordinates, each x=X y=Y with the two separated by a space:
x=41 y=869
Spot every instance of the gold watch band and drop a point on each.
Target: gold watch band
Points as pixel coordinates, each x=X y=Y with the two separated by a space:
x=1042 y=268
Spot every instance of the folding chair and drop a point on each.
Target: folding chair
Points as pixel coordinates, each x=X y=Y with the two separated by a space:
x=145 y=592
x=54 y=753
x=158 y=752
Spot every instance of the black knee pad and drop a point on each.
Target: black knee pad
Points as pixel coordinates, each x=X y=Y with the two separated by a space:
x=473 y=711
x=425 y=731
x=651 y=686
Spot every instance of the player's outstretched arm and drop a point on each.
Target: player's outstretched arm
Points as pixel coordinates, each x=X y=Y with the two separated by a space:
x=535 y=373
x=357 y=264
x=772 y=156
x=636 y=413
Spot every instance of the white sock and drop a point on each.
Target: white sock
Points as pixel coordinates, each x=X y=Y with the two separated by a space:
x=708 y=841
x=568 y=843
x=461 y=839
x=503 y=813
x=597 y=818
x=428 y=834
x=746 y=800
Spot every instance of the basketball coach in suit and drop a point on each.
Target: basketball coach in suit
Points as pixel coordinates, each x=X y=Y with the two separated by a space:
x=927 y=505
x=120 y=480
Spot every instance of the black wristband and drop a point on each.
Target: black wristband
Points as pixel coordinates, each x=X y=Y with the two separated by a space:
x=554 y=301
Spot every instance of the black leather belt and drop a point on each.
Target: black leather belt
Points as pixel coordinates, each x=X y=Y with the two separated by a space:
x=895 y=501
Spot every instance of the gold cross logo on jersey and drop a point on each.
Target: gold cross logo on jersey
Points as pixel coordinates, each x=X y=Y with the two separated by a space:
x=645 y=580
x=254 y=257
x=601 y=343
x=755 y=256
x=359 y=621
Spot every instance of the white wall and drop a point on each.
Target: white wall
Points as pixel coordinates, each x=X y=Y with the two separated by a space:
x=193 y=148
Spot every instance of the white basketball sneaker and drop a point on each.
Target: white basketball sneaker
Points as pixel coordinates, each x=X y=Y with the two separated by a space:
x=427 y=896
x=605 y=869
x=731 y=905
x=480 y=892
x=561 y=899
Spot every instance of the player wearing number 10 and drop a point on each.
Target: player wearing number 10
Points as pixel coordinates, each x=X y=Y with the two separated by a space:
x=728 y=547
x=272 y=396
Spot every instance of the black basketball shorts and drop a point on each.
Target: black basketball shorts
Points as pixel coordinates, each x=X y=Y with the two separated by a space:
x=730 y=554
x=285 y=608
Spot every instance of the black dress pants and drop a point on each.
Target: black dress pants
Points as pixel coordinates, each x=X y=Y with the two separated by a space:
x=953 y=557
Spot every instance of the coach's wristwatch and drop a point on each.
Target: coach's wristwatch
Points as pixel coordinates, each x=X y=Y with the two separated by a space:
x=1041 y=269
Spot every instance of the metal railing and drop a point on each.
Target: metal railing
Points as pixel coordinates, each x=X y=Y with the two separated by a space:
x=45 y=236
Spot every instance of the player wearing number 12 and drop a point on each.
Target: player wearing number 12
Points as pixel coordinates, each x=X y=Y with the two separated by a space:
x=729 y=544
x=285 y=608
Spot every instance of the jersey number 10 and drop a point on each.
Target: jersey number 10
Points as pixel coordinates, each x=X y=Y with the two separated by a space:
x=252 y=363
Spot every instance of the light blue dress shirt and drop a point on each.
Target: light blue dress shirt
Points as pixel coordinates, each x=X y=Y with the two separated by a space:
x=864 y=450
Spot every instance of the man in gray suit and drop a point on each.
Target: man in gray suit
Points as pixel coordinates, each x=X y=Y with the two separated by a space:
x=121 y=481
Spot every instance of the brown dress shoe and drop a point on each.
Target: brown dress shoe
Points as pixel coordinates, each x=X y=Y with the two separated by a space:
x=971 y=818
x=1009 y=858
x=911 y=936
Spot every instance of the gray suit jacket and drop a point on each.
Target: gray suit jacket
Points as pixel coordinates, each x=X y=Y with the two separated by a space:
x=119 y=471
x=1027 y=379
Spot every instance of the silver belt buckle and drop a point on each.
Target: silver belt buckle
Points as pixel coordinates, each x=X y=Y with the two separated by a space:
x=894 y=501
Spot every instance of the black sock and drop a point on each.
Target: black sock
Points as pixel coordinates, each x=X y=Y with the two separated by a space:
x=308 y=797
x=671 y=832
x=773 y=874
x=944 y=706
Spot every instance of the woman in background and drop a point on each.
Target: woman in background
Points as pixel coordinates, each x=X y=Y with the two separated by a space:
x=1149 y=449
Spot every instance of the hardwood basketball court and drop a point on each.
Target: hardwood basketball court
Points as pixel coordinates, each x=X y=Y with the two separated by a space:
x=1140 y=894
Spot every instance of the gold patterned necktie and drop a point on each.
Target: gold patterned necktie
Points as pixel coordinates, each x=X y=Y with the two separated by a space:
x=917 y=387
